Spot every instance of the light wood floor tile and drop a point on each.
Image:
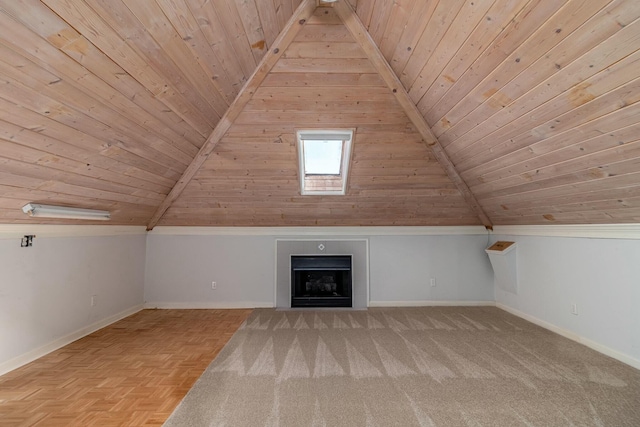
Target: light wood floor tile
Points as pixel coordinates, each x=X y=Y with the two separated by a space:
x=131 y=373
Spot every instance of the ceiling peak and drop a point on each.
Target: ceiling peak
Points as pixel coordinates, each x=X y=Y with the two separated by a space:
x=361 y=35
x=297 y=21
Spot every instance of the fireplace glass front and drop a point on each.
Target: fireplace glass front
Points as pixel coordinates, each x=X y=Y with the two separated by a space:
x=321 y=281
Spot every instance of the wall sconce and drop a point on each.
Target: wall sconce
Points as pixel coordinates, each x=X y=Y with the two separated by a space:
x=27 y=241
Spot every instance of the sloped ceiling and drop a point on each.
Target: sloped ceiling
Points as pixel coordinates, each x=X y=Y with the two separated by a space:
x=530 y=104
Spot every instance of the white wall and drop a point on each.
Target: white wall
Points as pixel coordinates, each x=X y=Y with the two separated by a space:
x=45 y=290
x=601 y=276
x=402 y=266
x=180 y=269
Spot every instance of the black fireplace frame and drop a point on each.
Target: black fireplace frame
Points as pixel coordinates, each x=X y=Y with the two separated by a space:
x=341 y=265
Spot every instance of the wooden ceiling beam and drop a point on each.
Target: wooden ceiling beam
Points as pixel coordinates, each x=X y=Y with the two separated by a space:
x=297 y=21
x=360 y=34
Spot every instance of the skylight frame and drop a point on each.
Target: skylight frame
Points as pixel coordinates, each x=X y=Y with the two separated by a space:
x=312 y=184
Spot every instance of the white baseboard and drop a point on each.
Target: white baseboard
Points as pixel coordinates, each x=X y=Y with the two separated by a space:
x=32 y=355
x=431 y=303
x=207 y=305
x=624 y=358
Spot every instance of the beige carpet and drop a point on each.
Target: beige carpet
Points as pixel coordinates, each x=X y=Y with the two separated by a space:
x=452 y=366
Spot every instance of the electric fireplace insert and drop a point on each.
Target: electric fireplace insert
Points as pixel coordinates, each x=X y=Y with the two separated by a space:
x=321 y=281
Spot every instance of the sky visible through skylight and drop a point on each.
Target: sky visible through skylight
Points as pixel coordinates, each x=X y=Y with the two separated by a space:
x=322 y=157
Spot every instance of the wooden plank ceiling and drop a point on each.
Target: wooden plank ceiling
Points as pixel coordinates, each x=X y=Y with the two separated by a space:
x=529 y=107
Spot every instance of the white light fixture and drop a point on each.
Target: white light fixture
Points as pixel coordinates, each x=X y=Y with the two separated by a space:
x=63 y=212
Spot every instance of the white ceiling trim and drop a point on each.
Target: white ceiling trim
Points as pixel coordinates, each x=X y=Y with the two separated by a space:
x=13 y=231
x=594 y=231
x=320 y=231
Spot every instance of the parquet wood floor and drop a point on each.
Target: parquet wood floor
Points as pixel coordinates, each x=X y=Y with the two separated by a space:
x=131 y=373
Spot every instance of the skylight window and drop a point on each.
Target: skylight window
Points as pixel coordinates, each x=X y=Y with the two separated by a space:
x=322 y=157
x=324 y=161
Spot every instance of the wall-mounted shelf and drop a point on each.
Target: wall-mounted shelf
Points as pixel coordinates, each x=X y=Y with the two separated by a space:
x=504 y=262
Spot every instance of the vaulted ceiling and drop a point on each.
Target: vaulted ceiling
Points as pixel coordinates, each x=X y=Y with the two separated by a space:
x=184 y=112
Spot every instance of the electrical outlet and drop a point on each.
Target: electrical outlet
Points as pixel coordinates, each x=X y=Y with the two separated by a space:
x=574 y=309
x=94 y=301
x=214 y=285
x=433 y=282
